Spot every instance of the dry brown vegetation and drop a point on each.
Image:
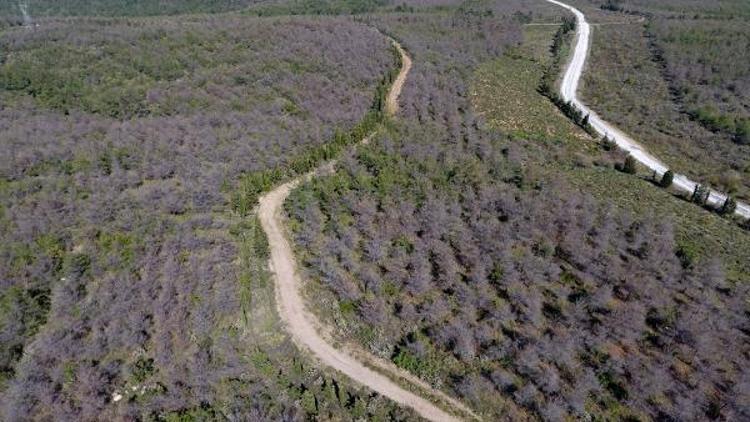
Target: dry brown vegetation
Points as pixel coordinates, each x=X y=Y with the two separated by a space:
x=123 y=270
x=472 y=259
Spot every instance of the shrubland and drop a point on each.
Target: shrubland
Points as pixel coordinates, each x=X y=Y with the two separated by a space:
x=508 y=263
x=482 y=241
x=130 y=289
x=119 y=7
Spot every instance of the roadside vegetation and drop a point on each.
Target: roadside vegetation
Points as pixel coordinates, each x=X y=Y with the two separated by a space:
x=488 y=245
x=676 y=80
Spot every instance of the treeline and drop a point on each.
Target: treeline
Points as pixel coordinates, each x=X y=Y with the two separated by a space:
x=700 y=195
x=561 y=41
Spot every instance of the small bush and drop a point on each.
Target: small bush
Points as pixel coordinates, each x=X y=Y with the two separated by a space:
x=667 y=179
x=729 y=206
x=629 y=166
x=742 y=134
x=608 y=144
x=77 y=264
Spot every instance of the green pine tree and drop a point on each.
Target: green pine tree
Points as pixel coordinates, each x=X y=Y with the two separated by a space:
x=667 y=179
x=700 y=195
x=729 y=207
x=309 y=402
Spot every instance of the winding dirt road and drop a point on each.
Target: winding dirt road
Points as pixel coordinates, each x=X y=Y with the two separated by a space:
x=568 y=90
x=304 y=327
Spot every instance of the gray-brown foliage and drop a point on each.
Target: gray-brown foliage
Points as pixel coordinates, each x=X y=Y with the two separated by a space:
x=507 y=287
x=116 y=247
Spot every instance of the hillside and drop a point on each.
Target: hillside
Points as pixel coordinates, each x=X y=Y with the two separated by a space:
x=369 y=210
x=677 y=79
x=125 y=271
x=487 y=244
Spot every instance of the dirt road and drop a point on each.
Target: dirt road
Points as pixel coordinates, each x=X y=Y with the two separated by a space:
x=391 y=102
x=304 y=327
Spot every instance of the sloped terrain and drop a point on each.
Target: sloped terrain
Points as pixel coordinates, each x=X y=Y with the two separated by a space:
x=502 y=268
x=122 y=142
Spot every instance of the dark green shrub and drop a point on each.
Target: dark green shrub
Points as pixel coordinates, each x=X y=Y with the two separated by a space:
x=742 y=134
x=143 y=369
x=729 y=206
x=608 y=144
x=700 y=195
x=77 y=264
x=667 y=179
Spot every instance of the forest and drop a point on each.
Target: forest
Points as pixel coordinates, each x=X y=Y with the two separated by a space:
x=118 y=7
x=121 y=262
x=448 y=248
x=482 y=241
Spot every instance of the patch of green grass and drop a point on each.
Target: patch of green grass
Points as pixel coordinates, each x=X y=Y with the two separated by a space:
x=505 y=93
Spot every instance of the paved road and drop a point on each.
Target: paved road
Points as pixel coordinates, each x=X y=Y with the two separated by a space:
x=569 y=89
x=307 y=331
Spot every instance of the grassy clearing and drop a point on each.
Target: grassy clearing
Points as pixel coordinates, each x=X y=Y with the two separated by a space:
x=505 y=94
x=627 y=84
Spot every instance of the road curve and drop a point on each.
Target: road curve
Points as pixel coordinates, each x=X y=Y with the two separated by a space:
x=304 y=327
x=568 y=91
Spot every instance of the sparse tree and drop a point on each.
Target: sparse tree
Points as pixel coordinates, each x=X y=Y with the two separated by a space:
x=700 y=194
x=666 y=179
x=729 y=206
x=630 y=165
x=608 y=144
